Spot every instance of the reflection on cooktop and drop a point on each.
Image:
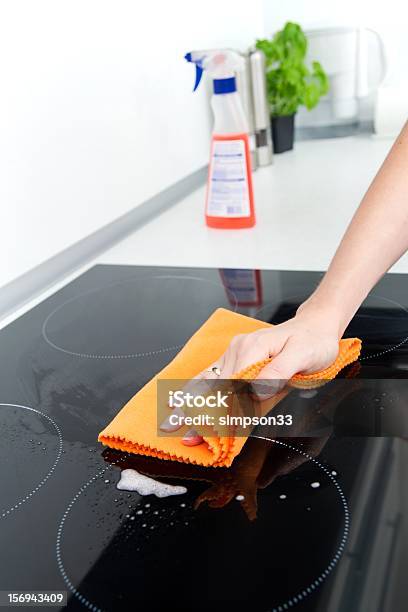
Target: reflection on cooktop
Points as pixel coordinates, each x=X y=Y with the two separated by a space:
x=123 y=538
x=269 y=532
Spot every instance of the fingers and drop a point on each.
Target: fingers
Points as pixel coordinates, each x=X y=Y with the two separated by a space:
x=293 y=358
x=243 y=351
x=227 y=361
x=199 y=385
x=213 y=372
x=170 y=425
x=192 y=438
x=247 y=349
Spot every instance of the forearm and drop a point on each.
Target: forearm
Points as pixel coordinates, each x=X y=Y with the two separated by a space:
x=376 y=237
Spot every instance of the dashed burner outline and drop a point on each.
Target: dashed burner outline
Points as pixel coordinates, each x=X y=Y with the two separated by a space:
x=128 y=355
x=4 y=513
x=61 y=567
x=392 y=348
x=373 y=295
x=281 y=607
x=310 y=589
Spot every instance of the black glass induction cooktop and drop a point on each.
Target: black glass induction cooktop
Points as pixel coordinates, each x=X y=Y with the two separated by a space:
x=313 y=523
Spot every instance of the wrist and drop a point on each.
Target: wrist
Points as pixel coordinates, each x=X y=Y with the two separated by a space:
x=325 y=315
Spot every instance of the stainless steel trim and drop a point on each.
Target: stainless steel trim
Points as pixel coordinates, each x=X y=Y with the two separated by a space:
x=26 y=287
x=244 y=88
x=261 y=108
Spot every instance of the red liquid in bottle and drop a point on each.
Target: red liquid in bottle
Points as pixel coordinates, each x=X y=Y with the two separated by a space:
x=230 y=198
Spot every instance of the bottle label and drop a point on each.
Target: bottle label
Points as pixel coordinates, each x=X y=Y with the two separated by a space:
x=228 y=194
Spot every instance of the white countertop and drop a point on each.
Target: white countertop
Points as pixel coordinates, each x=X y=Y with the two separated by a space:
x=304 y=202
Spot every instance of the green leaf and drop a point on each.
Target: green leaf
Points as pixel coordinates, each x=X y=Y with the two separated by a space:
x=290 y=82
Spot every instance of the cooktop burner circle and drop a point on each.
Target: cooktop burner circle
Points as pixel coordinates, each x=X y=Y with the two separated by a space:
x=130 y=318
x=381 y=323
x=28 y=433
x=309 y=589
x=402 y=310
x=74 y=585
x=148 y=506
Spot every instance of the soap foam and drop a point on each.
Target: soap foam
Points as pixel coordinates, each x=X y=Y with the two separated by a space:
x=131 y=480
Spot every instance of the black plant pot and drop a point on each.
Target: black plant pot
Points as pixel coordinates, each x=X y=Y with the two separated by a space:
x=282 y=133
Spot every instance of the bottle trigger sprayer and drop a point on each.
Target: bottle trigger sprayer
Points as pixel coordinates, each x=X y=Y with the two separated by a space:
x=230 y=200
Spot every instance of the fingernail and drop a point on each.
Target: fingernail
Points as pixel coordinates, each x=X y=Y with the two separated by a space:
x=192 y=438
x=169 y=426
x=264 y=389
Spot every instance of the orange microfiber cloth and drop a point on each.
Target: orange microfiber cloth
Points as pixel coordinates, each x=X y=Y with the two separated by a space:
x=134 y=429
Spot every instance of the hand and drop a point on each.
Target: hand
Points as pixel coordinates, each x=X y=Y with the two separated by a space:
x=309 y=342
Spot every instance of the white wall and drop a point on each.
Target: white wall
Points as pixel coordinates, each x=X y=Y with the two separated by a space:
x=96 y=111
x=389 y=19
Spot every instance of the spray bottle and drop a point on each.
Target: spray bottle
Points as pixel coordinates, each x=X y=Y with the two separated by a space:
x=230 y=200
